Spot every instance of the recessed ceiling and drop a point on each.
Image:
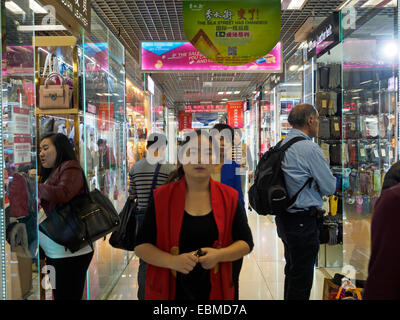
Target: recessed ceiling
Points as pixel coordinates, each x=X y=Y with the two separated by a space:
x=133 y=21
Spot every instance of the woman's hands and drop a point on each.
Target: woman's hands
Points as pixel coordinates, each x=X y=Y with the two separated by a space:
x=210 y=258
x=186 y=262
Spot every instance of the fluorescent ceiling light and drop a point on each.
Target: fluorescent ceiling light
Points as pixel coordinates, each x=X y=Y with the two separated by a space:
x=293 y=67
x=373 y=3
x=236 y=92
x=36 y=7
x=291 y=84
x=225 y=99
x=294 y=4
x=206 y=102
x=14 y=8
x=229 y=92
x=54 y=27
x=221 y=93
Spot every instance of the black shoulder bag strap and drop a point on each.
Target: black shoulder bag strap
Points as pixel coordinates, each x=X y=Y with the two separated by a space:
x=155 y=178
x=283 y=148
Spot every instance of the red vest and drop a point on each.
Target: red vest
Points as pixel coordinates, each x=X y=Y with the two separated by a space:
x=169 y=203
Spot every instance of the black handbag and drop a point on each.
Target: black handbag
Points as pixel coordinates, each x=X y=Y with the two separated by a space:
x=81 y=221
x=131 y=219
x=124 y=237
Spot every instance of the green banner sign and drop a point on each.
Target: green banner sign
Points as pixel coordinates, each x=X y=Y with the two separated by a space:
x=233 y=32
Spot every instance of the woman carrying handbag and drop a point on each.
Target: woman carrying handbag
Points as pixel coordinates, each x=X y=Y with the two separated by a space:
x=60 y=181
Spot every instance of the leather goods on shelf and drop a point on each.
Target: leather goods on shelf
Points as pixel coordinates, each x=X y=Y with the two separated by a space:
x=55 y=96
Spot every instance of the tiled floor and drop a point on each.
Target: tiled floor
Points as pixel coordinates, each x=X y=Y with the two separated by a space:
x=262 y=276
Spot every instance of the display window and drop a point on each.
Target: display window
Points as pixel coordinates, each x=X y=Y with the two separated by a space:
x=137 y=130
x=87 y=75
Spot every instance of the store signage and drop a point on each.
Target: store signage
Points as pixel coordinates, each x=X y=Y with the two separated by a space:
x=232 y=33
x=236 y=114
x=20 y=120
x=275 y=80
x=183 y=56
x=185 y=121
x=105 y=116
x=325 y=36
x=22 y=150
x=206 y=108
x=73 y=14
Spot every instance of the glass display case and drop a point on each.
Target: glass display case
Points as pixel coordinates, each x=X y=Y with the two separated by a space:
x=106 y=148
x=370 y=124
x=18 y=223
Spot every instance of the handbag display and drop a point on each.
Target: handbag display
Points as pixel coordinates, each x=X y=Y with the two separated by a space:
x=81 y=221
x=55 y=96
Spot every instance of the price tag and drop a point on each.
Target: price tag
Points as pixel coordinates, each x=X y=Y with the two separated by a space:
x=376 y=153
x=324 y=104
x=337 y=127
x=362 y=152
x=391 y=154
x=352 y=126
x=383 y=153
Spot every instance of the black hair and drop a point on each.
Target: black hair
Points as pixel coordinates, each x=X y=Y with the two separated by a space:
x=392 y=177
x=179 y=173
x=222 y=126
x=101 y=141
x=299 y=115
x=64 y=149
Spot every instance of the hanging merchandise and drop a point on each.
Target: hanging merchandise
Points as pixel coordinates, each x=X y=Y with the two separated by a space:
x=333 y=202
x=55 y=96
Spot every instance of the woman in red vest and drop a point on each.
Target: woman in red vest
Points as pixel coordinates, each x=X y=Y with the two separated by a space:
x=192 y=231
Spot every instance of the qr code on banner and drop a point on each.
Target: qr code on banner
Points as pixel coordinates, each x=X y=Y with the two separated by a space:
x=232 y=51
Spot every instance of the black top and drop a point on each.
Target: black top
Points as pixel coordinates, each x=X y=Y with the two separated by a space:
x=196 y=232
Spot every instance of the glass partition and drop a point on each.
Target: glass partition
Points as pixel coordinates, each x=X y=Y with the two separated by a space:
x=370 y=122
x=19 y=243
x=105 y=144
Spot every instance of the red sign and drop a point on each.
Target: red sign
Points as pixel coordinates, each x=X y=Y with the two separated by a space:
x=235 y=114
x=105 y=116
x=185 y=121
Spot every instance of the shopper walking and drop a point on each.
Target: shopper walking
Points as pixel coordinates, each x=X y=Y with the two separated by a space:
x=141 y=177
x=383 y=282
x=60 y=181
x=192 y=231
x=229 y=174
x=298 y=228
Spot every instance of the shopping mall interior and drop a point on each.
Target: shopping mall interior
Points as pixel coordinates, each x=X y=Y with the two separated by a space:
x=126 y=69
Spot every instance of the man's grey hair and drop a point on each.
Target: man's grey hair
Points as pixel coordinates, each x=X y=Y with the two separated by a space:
x=299 y=115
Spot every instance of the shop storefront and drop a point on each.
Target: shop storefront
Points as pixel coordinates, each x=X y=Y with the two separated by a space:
x=350 y=76
x=105 y=114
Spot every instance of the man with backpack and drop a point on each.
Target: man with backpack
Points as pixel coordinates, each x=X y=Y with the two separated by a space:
x=290 y=181
x=298 y=228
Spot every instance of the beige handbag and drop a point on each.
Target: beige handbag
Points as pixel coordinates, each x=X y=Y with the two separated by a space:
x=55 y=96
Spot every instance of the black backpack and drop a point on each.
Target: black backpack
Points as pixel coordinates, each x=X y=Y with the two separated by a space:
x=268 y=194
